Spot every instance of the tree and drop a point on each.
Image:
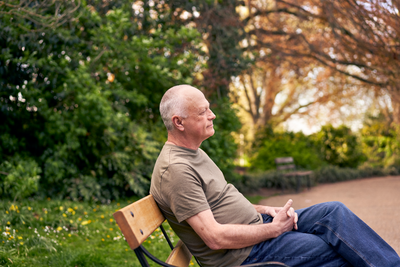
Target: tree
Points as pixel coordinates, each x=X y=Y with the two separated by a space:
x=359 y=39
x=80 y=98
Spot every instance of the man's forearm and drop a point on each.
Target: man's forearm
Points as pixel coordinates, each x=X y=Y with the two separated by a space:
x=260 y=208
x=232 y=236
x=235 y=236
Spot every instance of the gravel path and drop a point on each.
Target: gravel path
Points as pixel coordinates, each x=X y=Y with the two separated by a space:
x=375 y=200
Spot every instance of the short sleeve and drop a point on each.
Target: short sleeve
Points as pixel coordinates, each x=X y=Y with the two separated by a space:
x=182 y=190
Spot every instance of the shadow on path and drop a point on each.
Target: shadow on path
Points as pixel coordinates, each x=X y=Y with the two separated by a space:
x=375 y=200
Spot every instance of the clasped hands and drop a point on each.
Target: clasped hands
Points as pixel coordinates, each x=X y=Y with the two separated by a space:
x=284 y=216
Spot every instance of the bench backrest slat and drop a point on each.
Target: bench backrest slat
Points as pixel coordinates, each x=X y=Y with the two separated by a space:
x=286 y=167
x=284 y=160
x=139 y=220
x=180 y=256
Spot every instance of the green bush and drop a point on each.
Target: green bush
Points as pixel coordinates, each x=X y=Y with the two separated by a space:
x=270 y=145
x=381 y=142
x=339 y=146
x=80 y=100
x=19 y=178
x=327 y=174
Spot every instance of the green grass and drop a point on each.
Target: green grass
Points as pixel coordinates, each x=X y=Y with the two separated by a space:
x=67 y=233
x=254 y=199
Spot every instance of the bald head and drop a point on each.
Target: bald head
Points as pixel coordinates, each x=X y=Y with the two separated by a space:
x=174 y=102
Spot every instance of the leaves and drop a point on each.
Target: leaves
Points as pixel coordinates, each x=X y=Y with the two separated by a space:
x=80 y=99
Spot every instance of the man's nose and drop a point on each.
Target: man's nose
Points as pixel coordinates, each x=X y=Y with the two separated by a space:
x=211 y=116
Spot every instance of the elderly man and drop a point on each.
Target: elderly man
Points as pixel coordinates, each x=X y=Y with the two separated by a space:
x=222 y=228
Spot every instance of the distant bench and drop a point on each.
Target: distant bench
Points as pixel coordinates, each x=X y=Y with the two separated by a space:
x=288 y=168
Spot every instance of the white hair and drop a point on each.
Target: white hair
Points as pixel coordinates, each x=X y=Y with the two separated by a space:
x=172 y=103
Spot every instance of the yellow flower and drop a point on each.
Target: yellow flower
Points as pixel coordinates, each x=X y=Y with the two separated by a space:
x=102 y=239
x=71 y=221
x=75 y=207
x=45 y=211
x=94 y=210
x=126 y=249
x=59 y=228
x=61 y=207
x=111 y=220
x=87 y=239
x=69 y=235
x=20 y=237
x=118 y=204
x=64 y=215
x=8 y=223
x=102 y=216
x=111 y=229
x=79 y=219
x=12 y=207
x=21 y=243
x=23 y=222
x=29 y=208
x=86 y=222
x=7 y=211
x=108 y=236
x=41 y=218
x=70 y=210
x=85 y=213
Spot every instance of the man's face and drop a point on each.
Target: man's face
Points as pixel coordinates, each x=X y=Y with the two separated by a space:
x=199 y=123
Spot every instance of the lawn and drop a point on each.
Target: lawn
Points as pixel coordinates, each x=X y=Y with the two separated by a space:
x=66 y=233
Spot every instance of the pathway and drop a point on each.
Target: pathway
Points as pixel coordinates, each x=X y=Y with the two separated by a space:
x=375 y=200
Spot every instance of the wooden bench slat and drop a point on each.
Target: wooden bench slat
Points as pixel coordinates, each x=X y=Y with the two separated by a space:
x=286 y=167
x=139 y=220
x=180 y=256
x=284 y=160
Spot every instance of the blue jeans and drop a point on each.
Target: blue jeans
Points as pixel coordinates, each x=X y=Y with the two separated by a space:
x=328 y=234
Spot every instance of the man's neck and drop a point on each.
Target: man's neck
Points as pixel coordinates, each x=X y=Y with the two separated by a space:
x=172 y=140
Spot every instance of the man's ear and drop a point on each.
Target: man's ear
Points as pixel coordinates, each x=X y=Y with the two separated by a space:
x=177 y=121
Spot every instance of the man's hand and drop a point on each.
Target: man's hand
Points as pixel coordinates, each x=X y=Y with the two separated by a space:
x=286 y=218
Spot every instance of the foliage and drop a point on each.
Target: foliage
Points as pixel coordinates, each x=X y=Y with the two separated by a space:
x=79 y=101
x=381 y=142
x=65 y=233
x=325 y=174
x=339 y=146
x=19 y=178
x=270 y=145
x=354 y=39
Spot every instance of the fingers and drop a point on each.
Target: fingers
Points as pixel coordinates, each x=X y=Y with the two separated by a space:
x=291 y=213
x=287 y=206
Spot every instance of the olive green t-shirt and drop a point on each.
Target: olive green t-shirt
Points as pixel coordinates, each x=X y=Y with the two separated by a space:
x=186 y=182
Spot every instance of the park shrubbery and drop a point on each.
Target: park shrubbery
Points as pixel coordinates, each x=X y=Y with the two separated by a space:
x=79 y=102
x=335 y=154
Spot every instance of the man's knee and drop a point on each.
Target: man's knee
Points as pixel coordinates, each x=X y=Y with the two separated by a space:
x=337 y=207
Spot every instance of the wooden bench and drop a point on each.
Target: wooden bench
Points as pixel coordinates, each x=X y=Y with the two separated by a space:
x=140 y=219
x=288 y=168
